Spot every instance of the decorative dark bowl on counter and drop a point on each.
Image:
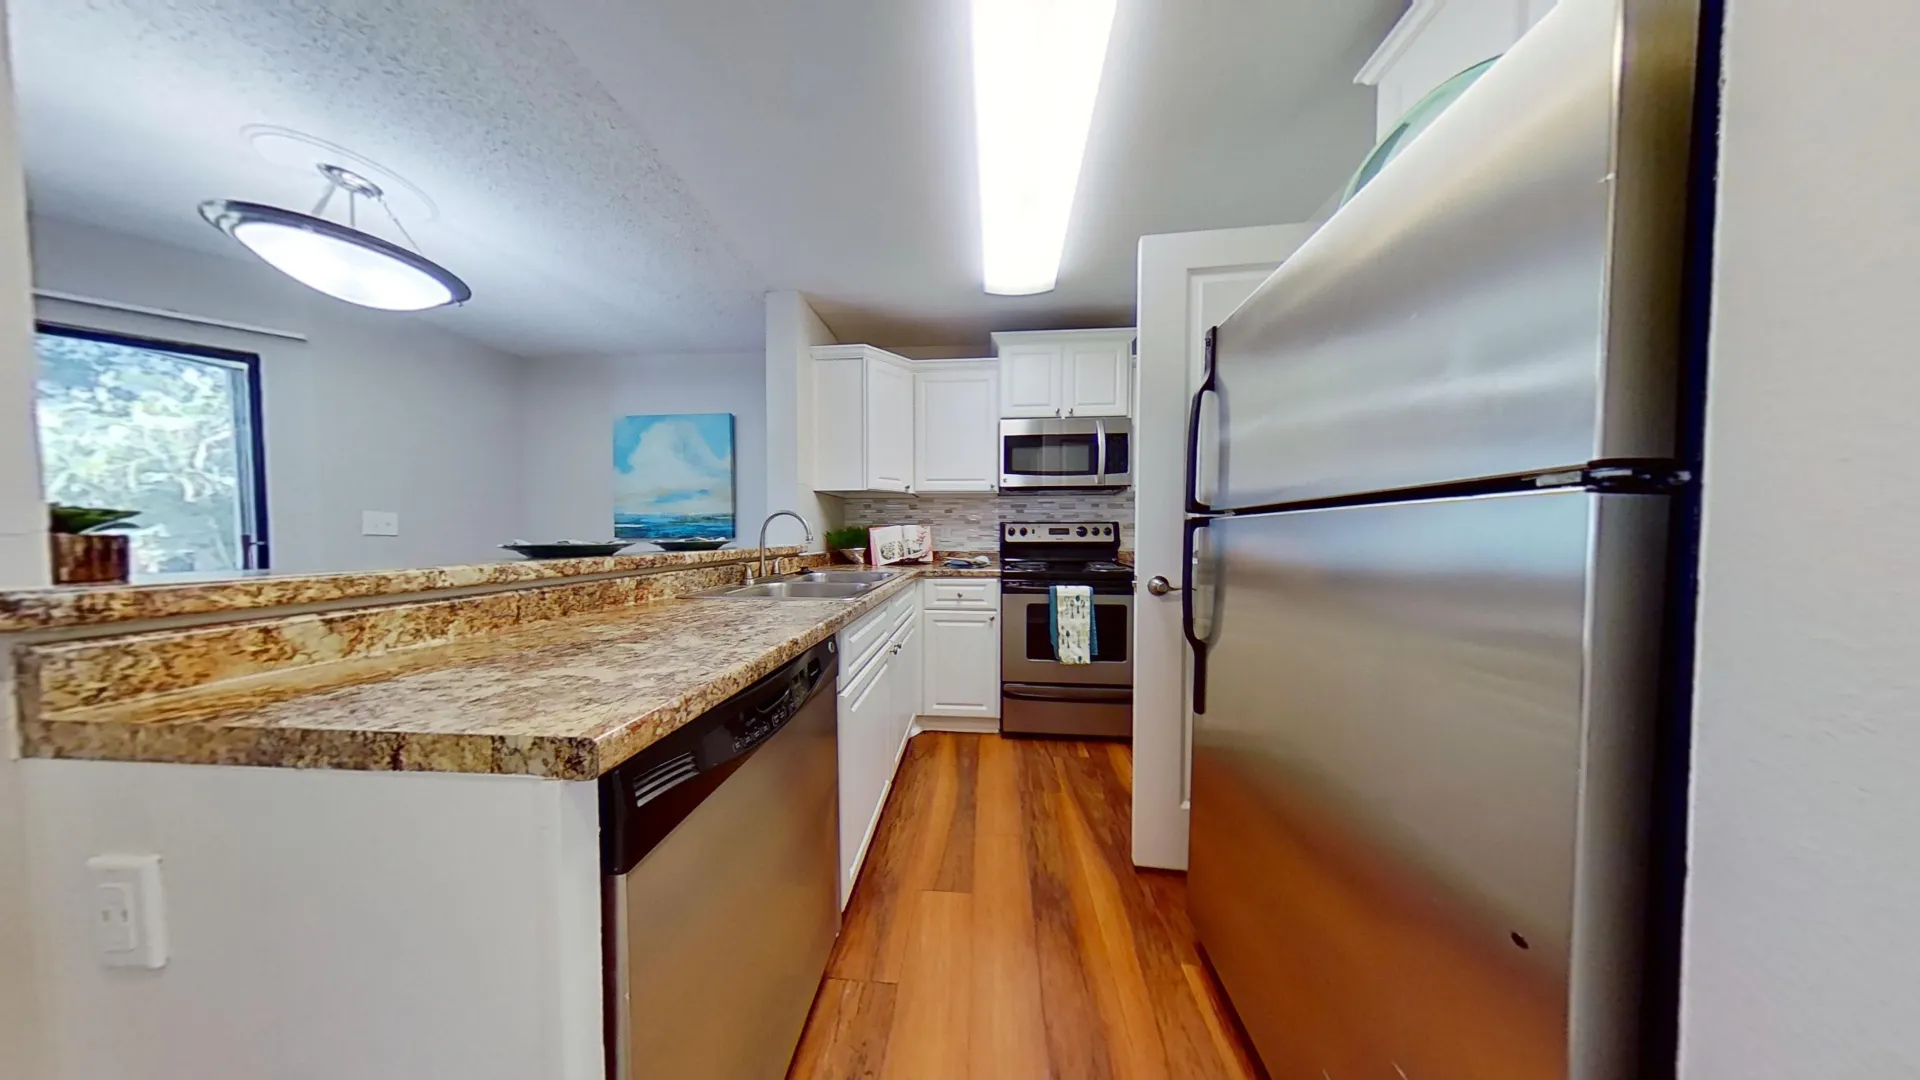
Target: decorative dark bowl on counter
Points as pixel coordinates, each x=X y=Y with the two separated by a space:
x=693 y=543
x=569 y=549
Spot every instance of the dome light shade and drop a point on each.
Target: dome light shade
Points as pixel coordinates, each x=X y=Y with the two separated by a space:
x=336 y=259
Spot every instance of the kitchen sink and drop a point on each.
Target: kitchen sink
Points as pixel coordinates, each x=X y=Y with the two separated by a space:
x=791 y=589
x=811 y=585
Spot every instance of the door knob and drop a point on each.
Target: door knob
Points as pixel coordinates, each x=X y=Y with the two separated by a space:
x=1160 y=586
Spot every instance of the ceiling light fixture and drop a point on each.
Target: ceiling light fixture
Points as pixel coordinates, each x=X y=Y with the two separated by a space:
x=1036 y=75
x=336 y=259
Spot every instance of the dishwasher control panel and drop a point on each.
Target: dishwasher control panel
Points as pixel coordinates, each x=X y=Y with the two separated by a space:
x=643 y=799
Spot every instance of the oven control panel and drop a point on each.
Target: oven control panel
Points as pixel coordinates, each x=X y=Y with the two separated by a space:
x=1059 y=532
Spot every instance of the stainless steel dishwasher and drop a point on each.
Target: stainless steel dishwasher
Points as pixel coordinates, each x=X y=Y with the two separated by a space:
x=719 y=845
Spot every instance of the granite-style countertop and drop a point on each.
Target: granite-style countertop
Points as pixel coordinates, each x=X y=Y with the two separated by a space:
x=566 y=699
x=94 y=605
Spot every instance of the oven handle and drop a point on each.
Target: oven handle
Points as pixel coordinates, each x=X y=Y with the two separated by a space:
x=1089 y=695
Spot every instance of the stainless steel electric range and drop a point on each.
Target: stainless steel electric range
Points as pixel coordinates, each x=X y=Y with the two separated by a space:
x=1039 y=695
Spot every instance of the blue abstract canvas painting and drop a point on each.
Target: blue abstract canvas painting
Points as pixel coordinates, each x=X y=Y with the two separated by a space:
x=673 y=476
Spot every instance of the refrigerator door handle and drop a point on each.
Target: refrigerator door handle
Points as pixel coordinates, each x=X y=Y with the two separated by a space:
x=1194 y=641
x=1194 y=505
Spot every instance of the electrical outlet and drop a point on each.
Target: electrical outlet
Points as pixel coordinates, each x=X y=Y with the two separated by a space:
x=129 y=917
x=379 y=523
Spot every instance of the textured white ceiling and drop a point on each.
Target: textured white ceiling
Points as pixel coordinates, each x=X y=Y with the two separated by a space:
x=620 y=176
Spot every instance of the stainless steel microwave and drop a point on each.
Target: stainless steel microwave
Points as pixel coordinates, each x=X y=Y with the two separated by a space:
x=1075 y=453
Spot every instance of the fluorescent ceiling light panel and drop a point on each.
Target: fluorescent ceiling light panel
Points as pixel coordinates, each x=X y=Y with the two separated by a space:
x=1036 y=75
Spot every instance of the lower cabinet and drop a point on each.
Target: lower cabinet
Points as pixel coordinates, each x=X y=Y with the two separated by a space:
x=963 y=663
x=876 y=709
x=901 y=661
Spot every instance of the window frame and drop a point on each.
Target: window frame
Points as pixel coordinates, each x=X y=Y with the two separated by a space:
x=257 y=552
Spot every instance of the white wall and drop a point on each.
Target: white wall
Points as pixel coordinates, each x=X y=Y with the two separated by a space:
x=375 y=411
x=23 y=561
x=1803 y=910
x=323 y=924
x=567 y=415
x=793 y=329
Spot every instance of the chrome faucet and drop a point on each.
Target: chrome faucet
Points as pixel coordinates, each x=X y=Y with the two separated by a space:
x=763 y=535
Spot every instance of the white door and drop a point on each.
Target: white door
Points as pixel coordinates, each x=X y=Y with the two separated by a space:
x=956 y=428
x=890 y=427
x=963 y=663
x=1188 y=283
x=1098 y=378
x=1030 y=381
x=866 y=759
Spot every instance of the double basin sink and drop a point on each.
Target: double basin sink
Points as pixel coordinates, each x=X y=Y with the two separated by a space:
x=812 y=585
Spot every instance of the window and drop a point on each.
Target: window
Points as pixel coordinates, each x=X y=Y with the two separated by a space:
x=169 y=430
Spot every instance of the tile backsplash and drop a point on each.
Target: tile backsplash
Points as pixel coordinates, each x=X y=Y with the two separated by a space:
x=972 y=522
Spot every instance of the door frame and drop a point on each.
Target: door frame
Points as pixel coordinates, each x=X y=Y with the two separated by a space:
x=1177 y=271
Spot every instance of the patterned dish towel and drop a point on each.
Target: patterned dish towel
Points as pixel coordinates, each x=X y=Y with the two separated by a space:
x=1070 y=620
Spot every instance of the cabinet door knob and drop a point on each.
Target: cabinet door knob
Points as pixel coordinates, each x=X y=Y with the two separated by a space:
x=1160 y=586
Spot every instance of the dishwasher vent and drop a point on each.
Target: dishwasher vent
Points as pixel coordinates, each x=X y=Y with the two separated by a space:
x=656 y=781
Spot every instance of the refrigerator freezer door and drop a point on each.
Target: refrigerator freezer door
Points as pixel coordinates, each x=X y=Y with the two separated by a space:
x=1501 y=300
x=1418 y=785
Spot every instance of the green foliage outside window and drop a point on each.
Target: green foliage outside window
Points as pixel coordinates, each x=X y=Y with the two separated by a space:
x=153 y=433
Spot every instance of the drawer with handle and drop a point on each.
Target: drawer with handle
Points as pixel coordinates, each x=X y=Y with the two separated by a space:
x=976 y=594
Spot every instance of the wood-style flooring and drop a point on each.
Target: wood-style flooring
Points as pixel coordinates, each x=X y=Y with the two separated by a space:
x=999 y=929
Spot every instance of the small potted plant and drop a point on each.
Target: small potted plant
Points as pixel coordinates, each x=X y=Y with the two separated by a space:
x=850 y=543
x=82 y=555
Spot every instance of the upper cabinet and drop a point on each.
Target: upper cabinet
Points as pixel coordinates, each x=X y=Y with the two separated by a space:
x=1436 y=40
x=1063 y=373
x=956 y=425
x=863 y=430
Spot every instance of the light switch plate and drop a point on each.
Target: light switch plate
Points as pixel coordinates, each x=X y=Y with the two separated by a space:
x=379 y=523
x=129 y=915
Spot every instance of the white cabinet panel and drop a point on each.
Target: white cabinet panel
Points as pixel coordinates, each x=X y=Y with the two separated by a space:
x=862 y=420
x=963 y=663
x=1030 y=380
x=979 y=594
x=907 y=672
x=890 y=421
x=1061 y=373
x=956 y=425
x=1099 y=377
x=866 y=723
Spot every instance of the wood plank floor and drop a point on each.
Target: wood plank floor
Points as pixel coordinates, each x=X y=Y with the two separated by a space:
x=1000 y=929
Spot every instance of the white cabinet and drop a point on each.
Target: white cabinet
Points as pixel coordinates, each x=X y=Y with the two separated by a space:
x=1062 y=373
x=961 y=618
x=963 y=663
x=1436 y=40
x=908 y=669
x=956 y=426
x=880 y=676
x=865 y=718
x=863 y=420
x=1099 y=377
x=1030 y=380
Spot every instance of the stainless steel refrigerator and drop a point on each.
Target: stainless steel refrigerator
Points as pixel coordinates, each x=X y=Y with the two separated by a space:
x=1433 y=474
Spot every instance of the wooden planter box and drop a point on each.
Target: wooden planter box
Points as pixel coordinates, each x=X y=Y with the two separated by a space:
x=90 y=558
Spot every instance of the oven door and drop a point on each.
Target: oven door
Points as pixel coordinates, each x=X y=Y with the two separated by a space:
x=1026 y=647
x=1065 y=453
